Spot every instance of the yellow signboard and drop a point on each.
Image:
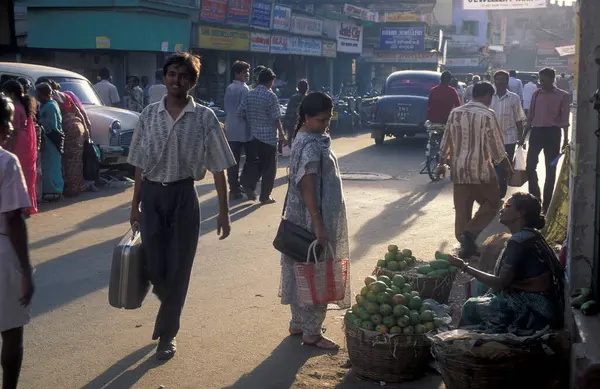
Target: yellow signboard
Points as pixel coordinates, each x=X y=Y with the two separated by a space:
x=391 y=17
x=223 y=39
x=103 y=42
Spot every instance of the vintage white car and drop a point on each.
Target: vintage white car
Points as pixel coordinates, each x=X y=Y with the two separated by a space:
x=112 y=128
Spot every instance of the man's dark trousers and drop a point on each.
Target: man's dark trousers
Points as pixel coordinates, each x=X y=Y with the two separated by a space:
x=546 y=139
x=501 y=171
x=233 y=172
x=261 y=161
x=170 y=226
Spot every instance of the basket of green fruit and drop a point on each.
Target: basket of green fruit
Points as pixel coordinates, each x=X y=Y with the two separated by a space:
x=433 y=279
x=385 y=330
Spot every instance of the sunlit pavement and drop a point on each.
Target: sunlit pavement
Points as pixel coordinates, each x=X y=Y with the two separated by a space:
x=234 y=331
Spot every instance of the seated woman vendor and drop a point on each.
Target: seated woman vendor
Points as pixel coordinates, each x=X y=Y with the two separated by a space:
x=526 y=289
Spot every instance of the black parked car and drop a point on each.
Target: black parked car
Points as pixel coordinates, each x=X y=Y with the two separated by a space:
x=401 y=110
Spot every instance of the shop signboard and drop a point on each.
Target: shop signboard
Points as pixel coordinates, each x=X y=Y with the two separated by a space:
x=402 y=38
x=349 y=38
x=552 y=61
x=566 y=50
x=223 y=39
x=239 y=11
x=393 y=17
x=282 y=18
x=280 y=44
x=261 y=14
x=213 y=10
x=305 y=46
x=103 y=42
x=503 y=4
x=303 y=25
x=462 y=61
x=260 y=42
x=395 y=57
x=360 y=13
x=329 y=49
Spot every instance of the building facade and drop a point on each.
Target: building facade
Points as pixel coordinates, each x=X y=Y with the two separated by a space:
x=130 y=37
x=468 y=39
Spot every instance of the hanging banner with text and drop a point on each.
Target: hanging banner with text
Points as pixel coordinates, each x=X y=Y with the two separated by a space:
x=213 y=10
x=239 y=11
x=260 y=42
x=261 y=15
x=282 y=18
x=329 y=49
x=503 y=4
x=305 y=46
x=280 y=44
x=353 y=11
x=402 y=38
x=307 y=26
x=349 y=38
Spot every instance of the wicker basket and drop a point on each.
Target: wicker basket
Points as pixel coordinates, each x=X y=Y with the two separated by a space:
x=386 y=358
x=518 y=369
x=436 y=288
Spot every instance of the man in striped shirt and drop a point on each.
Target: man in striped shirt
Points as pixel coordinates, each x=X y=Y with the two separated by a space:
x=510 y=115
x=472 y=145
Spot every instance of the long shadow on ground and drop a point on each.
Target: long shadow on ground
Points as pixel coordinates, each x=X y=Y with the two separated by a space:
x=120 y=376
x=279 y=370
x=396 y=216
x=71 y=276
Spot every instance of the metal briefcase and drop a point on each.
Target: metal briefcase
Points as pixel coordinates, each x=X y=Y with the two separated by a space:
x=129 y=283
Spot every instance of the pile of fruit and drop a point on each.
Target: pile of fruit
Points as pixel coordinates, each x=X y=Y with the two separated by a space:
x=392 y=306
x=396 y=260
x=438 y=267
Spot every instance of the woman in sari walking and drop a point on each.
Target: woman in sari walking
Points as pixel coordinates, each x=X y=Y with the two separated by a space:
x=316 y=203
x=51 y=120
x=23 y=142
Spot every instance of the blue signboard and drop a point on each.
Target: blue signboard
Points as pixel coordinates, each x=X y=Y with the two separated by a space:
x=261 y=14
x=403 y=38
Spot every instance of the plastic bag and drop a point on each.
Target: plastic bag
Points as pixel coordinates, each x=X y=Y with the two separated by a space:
x=322 y=281
x=520 y=164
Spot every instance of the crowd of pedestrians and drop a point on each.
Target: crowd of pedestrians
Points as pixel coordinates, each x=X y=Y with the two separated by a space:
x=481 y=138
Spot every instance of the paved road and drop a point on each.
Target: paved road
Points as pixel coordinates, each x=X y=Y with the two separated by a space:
x=234 y=329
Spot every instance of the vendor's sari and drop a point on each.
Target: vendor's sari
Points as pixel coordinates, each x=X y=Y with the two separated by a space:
x=515 y=311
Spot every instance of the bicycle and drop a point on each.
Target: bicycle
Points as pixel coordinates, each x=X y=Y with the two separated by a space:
x=435 y=132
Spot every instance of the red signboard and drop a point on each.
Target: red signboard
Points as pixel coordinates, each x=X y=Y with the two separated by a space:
x=213 y=10
x=239 y=11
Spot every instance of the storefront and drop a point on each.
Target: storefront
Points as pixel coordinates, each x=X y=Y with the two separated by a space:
x=219 y=48
x=383 y=63
x=97 y=43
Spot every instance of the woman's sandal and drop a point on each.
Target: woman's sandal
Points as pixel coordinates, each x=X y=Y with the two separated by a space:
x=322 y=343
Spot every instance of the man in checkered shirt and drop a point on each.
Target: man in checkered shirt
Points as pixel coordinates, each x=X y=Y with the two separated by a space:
x=260 y=109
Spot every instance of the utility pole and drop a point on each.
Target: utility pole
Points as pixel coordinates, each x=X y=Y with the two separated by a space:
x=584 y=218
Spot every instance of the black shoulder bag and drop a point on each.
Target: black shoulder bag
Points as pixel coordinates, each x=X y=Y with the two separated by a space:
x=292 y=240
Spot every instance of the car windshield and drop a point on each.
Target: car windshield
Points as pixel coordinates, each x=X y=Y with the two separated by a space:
x=81 y=88
x=410 y=86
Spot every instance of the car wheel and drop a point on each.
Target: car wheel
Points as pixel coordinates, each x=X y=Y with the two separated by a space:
x=379 y=138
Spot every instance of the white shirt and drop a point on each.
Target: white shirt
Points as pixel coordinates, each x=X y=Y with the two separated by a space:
x=508 y=112
x=169 y=150
x=108 y=92
x=528 y=90
x=516 y=86
x=156 y=93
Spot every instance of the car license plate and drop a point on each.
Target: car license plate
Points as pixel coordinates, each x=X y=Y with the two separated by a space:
x=402 y=113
